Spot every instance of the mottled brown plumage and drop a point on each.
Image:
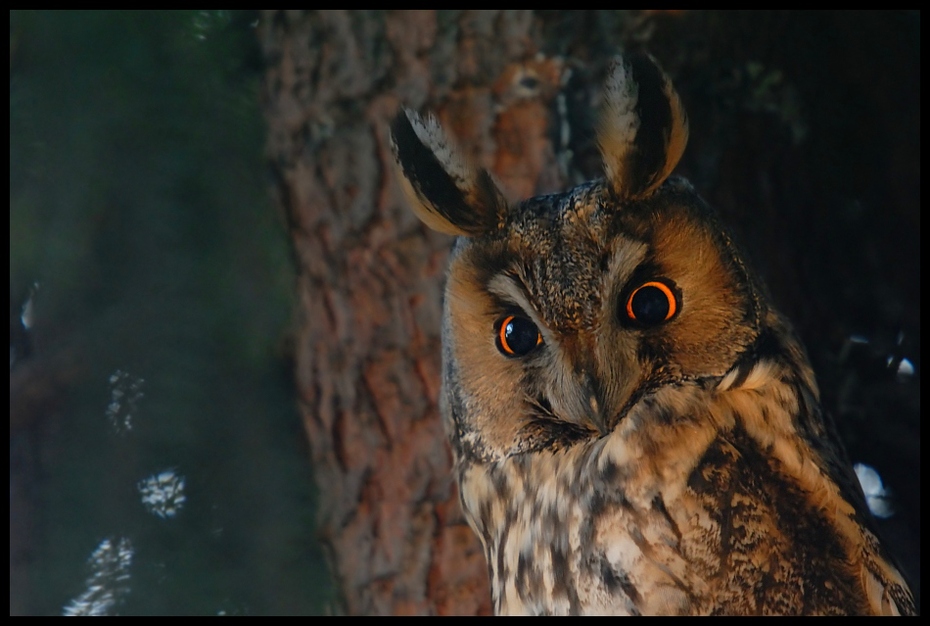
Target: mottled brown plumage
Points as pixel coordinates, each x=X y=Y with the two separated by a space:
x=635 y=429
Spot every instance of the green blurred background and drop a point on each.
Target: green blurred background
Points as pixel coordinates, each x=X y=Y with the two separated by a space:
x=156 y=340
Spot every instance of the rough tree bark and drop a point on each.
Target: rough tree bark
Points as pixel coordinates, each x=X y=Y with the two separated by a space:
x=770 y=96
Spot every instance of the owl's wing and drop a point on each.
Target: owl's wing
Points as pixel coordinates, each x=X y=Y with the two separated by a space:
x=887 y=591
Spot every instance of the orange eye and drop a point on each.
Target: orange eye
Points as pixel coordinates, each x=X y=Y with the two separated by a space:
x=652 y=303
x=517 y=336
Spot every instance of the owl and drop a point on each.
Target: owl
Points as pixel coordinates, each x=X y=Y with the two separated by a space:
x=635 y=429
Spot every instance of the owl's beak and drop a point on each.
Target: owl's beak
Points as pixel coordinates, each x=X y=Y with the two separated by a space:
x=583 y=398
x=602 y=385
x=593 y=396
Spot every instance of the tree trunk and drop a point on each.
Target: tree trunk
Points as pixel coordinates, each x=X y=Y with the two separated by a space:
x=775 y=115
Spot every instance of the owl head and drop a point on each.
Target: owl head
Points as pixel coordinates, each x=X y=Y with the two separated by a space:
x=564 y=311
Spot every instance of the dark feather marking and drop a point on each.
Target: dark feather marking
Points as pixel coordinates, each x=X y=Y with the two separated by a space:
x=811 y=567
x=430 y=178
x=561 y=585
x=659 y=505
x=655 y=116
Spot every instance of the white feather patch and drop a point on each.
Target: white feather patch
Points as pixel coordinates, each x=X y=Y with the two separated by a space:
x=619 y=121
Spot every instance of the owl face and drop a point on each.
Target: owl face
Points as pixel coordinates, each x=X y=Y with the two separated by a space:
x=582 y=304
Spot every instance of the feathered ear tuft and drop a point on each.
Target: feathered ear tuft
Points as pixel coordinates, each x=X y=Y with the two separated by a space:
x=643 y=129
x=446 y=193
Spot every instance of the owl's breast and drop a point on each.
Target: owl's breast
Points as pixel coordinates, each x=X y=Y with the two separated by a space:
x=687 y=516
x=571 y=532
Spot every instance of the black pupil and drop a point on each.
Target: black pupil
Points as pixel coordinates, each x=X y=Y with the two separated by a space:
x=650 y=305
x=521 y=335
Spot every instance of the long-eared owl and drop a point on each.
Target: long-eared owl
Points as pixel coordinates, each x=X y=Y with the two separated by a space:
x=635 y=429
